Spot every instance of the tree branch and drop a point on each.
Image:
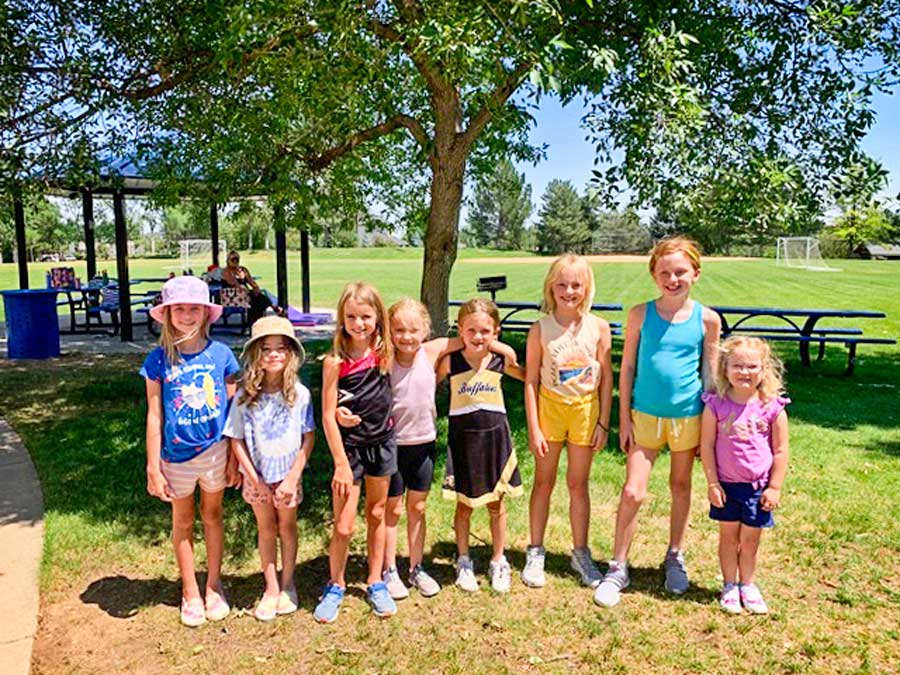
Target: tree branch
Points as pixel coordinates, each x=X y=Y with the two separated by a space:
x=495 y=100
x=435 y=81
x=323 y=160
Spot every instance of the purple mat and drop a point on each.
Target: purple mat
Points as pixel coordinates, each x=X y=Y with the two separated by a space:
x=299 y=318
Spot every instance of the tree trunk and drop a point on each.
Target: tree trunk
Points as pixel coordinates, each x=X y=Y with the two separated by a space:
x=442 y=235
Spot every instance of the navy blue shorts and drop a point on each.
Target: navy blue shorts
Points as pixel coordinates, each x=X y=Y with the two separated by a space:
x=415 y=468
x=742 y=505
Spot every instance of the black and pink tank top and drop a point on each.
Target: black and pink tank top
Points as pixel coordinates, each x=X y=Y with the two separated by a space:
x=366 y=391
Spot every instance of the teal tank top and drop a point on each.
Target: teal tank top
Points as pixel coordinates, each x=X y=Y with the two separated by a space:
x=667 y=380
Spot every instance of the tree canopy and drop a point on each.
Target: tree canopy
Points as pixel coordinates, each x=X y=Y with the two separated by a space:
x=337 y=104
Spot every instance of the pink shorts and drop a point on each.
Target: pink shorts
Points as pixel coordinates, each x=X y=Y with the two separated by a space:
x=207 y=468
x=255 y=497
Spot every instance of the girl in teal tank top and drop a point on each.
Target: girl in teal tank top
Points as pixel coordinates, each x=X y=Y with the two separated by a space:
x=667 y=381
x=669 y=343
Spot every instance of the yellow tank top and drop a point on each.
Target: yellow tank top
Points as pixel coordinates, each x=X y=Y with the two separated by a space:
x=569 y=365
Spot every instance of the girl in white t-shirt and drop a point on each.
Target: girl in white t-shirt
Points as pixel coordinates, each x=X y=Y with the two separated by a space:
x=272 y=433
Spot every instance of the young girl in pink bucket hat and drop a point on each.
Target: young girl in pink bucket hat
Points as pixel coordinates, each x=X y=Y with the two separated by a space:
x=190 y=380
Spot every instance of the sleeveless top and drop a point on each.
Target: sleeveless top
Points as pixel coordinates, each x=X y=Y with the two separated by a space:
x=569 y=365
x=471 y=391
x=366 y=392
x=414 y=411
x=667 y=380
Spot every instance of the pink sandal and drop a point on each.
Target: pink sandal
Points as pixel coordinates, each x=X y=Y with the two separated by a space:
x=216 y=608
x=192 y=613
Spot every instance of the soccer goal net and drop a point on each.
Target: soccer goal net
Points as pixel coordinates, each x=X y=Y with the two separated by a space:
x=197 y=253
x=802 y=253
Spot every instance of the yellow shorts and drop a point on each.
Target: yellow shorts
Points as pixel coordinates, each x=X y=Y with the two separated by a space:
x=652 y=432
x=568 y=419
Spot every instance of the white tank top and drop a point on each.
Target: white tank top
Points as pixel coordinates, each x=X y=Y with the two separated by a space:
x=414 y=411
x=569 y=365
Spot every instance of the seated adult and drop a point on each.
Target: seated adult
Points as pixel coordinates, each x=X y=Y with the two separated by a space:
x=235 y=275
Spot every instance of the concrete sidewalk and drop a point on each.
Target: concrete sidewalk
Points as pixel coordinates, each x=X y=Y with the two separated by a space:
x=21 y=541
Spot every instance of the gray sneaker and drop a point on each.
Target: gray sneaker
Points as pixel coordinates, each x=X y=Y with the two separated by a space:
x=391 y=579
x=533 y=572
x=676 y=573
x=614 y=582
x=585 y=567
x=424 y=582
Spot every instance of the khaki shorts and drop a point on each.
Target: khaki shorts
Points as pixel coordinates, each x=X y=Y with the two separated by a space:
x=568 y=419
x=207 y=468
x=652 y=432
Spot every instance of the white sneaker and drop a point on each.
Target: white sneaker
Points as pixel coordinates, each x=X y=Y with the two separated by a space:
x=584 y=565
x=533 y=572
x=391 y=579
x=501 y=575
x=465 y=574
x=614 y=582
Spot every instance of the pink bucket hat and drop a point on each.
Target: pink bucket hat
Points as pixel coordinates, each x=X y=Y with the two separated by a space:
x=186 y=290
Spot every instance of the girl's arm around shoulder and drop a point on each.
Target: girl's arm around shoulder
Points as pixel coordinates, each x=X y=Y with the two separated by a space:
x=443 y=368
x=513 y=370
x=712 y=331
x=440 y=347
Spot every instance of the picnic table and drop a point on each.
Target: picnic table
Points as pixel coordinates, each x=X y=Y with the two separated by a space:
x=519 y=325
x=802 y=326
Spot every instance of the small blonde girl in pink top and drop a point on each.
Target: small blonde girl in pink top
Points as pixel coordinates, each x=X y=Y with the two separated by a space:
x=744 y=447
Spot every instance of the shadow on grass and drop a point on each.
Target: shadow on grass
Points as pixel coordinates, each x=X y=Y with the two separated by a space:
x=122 y=597
x=824 y=396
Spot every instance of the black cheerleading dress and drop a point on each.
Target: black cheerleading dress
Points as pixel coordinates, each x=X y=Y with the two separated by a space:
x=481 y=462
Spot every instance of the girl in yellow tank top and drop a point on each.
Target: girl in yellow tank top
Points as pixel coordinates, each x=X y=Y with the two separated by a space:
x=568 y=398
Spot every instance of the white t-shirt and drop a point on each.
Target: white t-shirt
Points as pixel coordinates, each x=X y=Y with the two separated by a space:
x=272 y=430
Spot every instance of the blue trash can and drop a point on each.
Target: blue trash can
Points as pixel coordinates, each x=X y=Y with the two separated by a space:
x=32 y=326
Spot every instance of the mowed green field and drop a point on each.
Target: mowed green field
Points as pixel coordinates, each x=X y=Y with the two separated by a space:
x=830 y=569
x=859 y=284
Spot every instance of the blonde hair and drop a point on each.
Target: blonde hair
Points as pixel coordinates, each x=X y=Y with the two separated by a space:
x=669 y=245
x=476 y=305
x=253 y=376
x=365 y=294
x=414 y=306
x=581 y=265
x=772 y=382
x=170 y=339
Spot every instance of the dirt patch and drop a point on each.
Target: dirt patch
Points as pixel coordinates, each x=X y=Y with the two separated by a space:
x=598 y=259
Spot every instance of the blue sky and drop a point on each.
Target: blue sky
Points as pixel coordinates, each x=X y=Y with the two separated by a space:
x=570 y=157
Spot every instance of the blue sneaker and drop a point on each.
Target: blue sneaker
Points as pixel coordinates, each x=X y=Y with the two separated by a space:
x=382 y=603
x=329 y=604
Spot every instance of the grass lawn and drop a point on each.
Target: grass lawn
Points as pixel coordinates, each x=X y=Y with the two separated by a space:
x=830 y=570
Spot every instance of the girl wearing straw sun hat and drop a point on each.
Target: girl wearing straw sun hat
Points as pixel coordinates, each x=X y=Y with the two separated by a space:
x=272 y=433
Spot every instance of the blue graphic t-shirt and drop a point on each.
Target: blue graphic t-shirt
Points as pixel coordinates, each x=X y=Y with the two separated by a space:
x=194 y=400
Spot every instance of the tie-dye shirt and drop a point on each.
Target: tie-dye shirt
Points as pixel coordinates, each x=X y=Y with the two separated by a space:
x=272 y=430
x=194 y=399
